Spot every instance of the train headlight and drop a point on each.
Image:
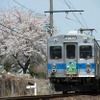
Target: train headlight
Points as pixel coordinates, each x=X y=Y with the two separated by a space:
x=88 y=68
x=55 y=40
x=54 y=68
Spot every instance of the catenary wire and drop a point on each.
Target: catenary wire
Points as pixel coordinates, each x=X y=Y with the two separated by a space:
x=80 y=13
x=26 y=8
x=8 y=28
x=73 y=13
x=65 y=2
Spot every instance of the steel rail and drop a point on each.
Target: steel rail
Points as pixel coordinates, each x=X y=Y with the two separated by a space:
x=46 y=97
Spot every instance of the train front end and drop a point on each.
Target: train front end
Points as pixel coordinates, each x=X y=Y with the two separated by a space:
x=71 y=61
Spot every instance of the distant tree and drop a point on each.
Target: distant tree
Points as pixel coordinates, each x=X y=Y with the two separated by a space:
x=22 y=38
x=38 y=71
x=7 y=66
x=11 y=67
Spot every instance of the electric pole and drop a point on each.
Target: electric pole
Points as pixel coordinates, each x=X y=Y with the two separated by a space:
x=51 y=17
x=57 y=11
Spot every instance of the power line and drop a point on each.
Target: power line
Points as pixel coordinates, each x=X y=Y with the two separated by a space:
x=80 y=13
x=84 y=20
x=26 y=7
x=71 y=4
x=8 y=28
x=71 y=19
x=21 y=6
x=73 y=13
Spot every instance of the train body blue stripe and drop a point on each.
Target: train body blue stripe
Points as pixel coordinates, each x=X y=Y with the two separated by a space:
x=58 y=66
x=78 y=66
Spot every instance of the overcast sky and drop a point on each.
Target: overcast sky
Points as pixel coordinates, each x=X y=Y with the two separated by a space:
x=91 y=12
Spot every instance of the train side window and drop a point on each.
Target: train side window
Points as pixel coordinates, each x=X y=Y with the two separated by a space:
x=70 y=51
x=86 y=52
x=55 y=52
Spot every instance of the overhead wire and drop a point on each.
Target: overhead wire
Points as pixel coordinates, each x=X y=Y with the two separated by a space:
x=26 y=8
x=71 y=4
x=73 y=13
x=80 y=13
x=84 y=20
x=70 y=18
x=67 y=14
x=8 y=28
x=65 y=2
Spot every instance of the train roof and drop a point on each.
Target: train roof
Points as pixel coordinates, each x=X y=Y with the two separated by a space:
x=76 y=33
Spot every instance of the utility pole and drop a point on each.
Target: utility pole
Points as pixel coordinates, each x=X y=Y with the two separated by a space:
x=51 y=17
x=57 y=11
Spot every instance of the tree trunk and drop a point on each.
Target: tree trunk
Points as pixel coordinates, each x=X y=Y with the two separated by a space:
x=24 y=70
x=26 y=66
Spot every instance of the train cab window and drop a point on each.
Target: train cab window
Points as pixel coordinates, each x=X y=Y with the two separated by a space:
x=70 y=51
x=86 y=52
x=55 y=52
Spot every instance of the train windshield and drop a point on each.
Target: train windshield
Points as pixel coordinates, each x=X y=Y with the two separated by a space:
x=55 y=52
x=70 y=51
x=86 y=52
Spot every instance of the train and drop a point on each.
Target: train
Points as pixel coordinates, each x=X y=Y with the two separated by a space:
x=73 y=62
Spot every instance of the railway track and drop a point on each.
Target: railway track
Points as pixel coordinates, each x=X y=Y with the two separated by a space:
x=47 y=97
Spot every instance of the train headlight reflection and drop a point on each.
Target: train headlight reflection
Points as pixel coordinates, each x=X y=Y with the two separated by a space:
x=88 y=68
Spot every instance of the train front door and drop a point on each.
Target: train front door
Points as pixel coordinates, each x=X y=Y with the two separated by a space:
x=71 y=58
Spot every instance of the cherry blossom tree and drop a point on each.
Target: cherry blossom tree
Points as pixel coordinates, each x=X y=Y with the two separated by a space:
x=23 y=37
